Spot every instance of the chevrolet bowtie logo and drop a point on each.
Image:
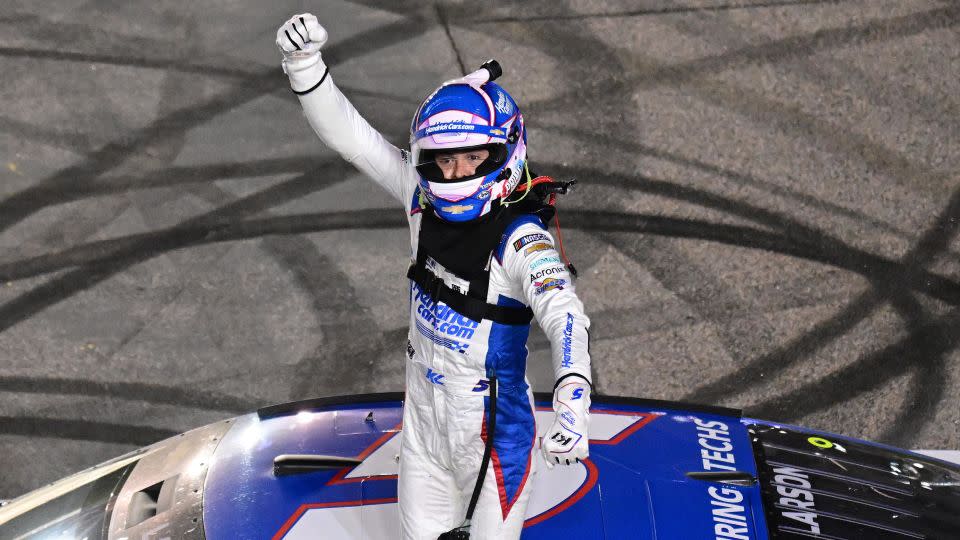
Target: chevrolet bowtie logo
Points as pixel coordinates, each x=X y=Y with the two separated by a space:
x=458 y=208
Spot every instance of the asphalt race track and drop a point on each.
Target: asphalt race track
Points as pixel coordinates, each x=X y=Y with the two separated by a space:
x=766 y=216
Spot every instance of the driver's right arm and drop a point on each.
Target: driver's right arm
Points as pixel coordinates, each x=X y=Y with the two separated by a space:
x=332 y=116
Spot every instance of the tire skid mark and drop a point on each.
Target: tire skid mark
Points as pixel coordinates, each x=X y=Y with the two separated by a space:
x=739 y=178
x=338 y=357
x=804 y=241
x=867 y=373
x=222 y=229
x=819 y=337
x=866 y=264
x=599 y=49
x=653 y=74
x=209 y=229
x=24 y=203
x=928 y=384
x=117 y=255
x=671 y=273
x=848 y=322
x=78 y=143
x=653 y=12
x=934 y=241
x=177 y=65
x=832 y=72
x=350 y=338
x=833 y=138
x=186 y=174
x=47 y=192
x=925 y=347
x=787 y=354
x=134 y=391
x=901 y=26
x=83 y=430
x=782 y=49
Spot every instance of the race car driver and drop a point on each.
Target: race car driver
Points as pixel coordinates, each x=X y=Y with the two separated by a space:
x=482 y=265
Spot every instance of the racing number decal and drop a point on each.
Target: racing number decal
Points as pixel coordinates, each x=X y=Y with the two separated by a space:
x=379 y=519
x=825 y=444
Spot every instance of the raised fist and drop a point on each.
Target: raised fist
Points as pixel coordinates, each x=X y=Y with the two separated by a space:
x=300 y=39
x=301 y=36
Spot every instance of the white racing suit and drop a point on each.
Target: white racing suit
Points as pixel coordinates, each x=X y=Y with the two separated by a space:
x=450 y=356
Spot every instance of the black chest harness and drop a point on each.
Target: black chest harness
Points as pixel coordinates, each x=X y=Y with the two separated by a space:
x=466 y=250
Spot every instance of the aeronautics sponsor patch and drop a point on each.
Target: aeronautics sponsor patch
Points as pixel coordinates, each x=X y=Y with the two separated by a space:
x=545 y=260
x=548 y=284
x=529 y=239
x=539 y=246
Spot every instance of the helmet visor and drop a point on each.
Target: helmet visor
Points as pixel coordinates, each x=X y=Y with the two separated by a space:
x=447 y=165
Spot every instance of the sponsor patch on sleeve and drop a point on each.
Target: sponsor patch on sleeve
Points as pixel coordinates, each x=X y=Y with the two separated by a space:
x=539 y=246
x=551 y=260
x=529 y=239
x=552 y=270
x=548 y=284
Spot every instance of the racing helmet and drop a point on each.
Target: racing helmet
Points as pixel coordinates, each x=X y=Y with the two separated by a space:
x=466 y=114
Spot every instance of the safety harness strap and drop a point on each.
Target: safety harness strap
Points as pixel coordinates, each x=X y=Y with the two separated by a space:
x=469 y=307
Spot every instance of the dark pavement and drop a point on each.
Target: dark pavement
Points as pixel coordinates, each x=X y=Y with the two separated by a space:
x=766 y=215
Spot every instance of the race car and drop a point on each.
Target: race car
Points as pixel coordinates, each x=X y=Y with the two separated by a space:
x=326 y=468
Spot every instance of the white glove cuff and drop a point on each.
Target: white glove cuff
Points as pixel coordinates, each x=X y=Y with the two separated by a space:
x=572 y=394
x=572 y=375
x=305 y=73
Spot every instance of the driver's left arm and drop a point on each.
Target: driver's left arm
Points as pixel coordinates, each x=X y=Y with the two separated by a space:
x=546 y=285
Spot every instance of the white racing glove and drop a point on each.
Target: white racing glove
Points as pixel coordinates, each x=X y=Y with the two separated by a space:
x=300 y=40
x=568 y=440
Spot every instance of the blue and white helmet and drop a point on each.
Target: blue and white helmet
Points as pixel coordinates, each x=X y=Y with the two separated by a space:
x=469 y=113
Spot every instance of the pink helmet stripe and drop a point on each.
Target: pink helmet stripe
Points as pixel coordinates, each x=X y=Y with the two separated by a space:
x=493 y=114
